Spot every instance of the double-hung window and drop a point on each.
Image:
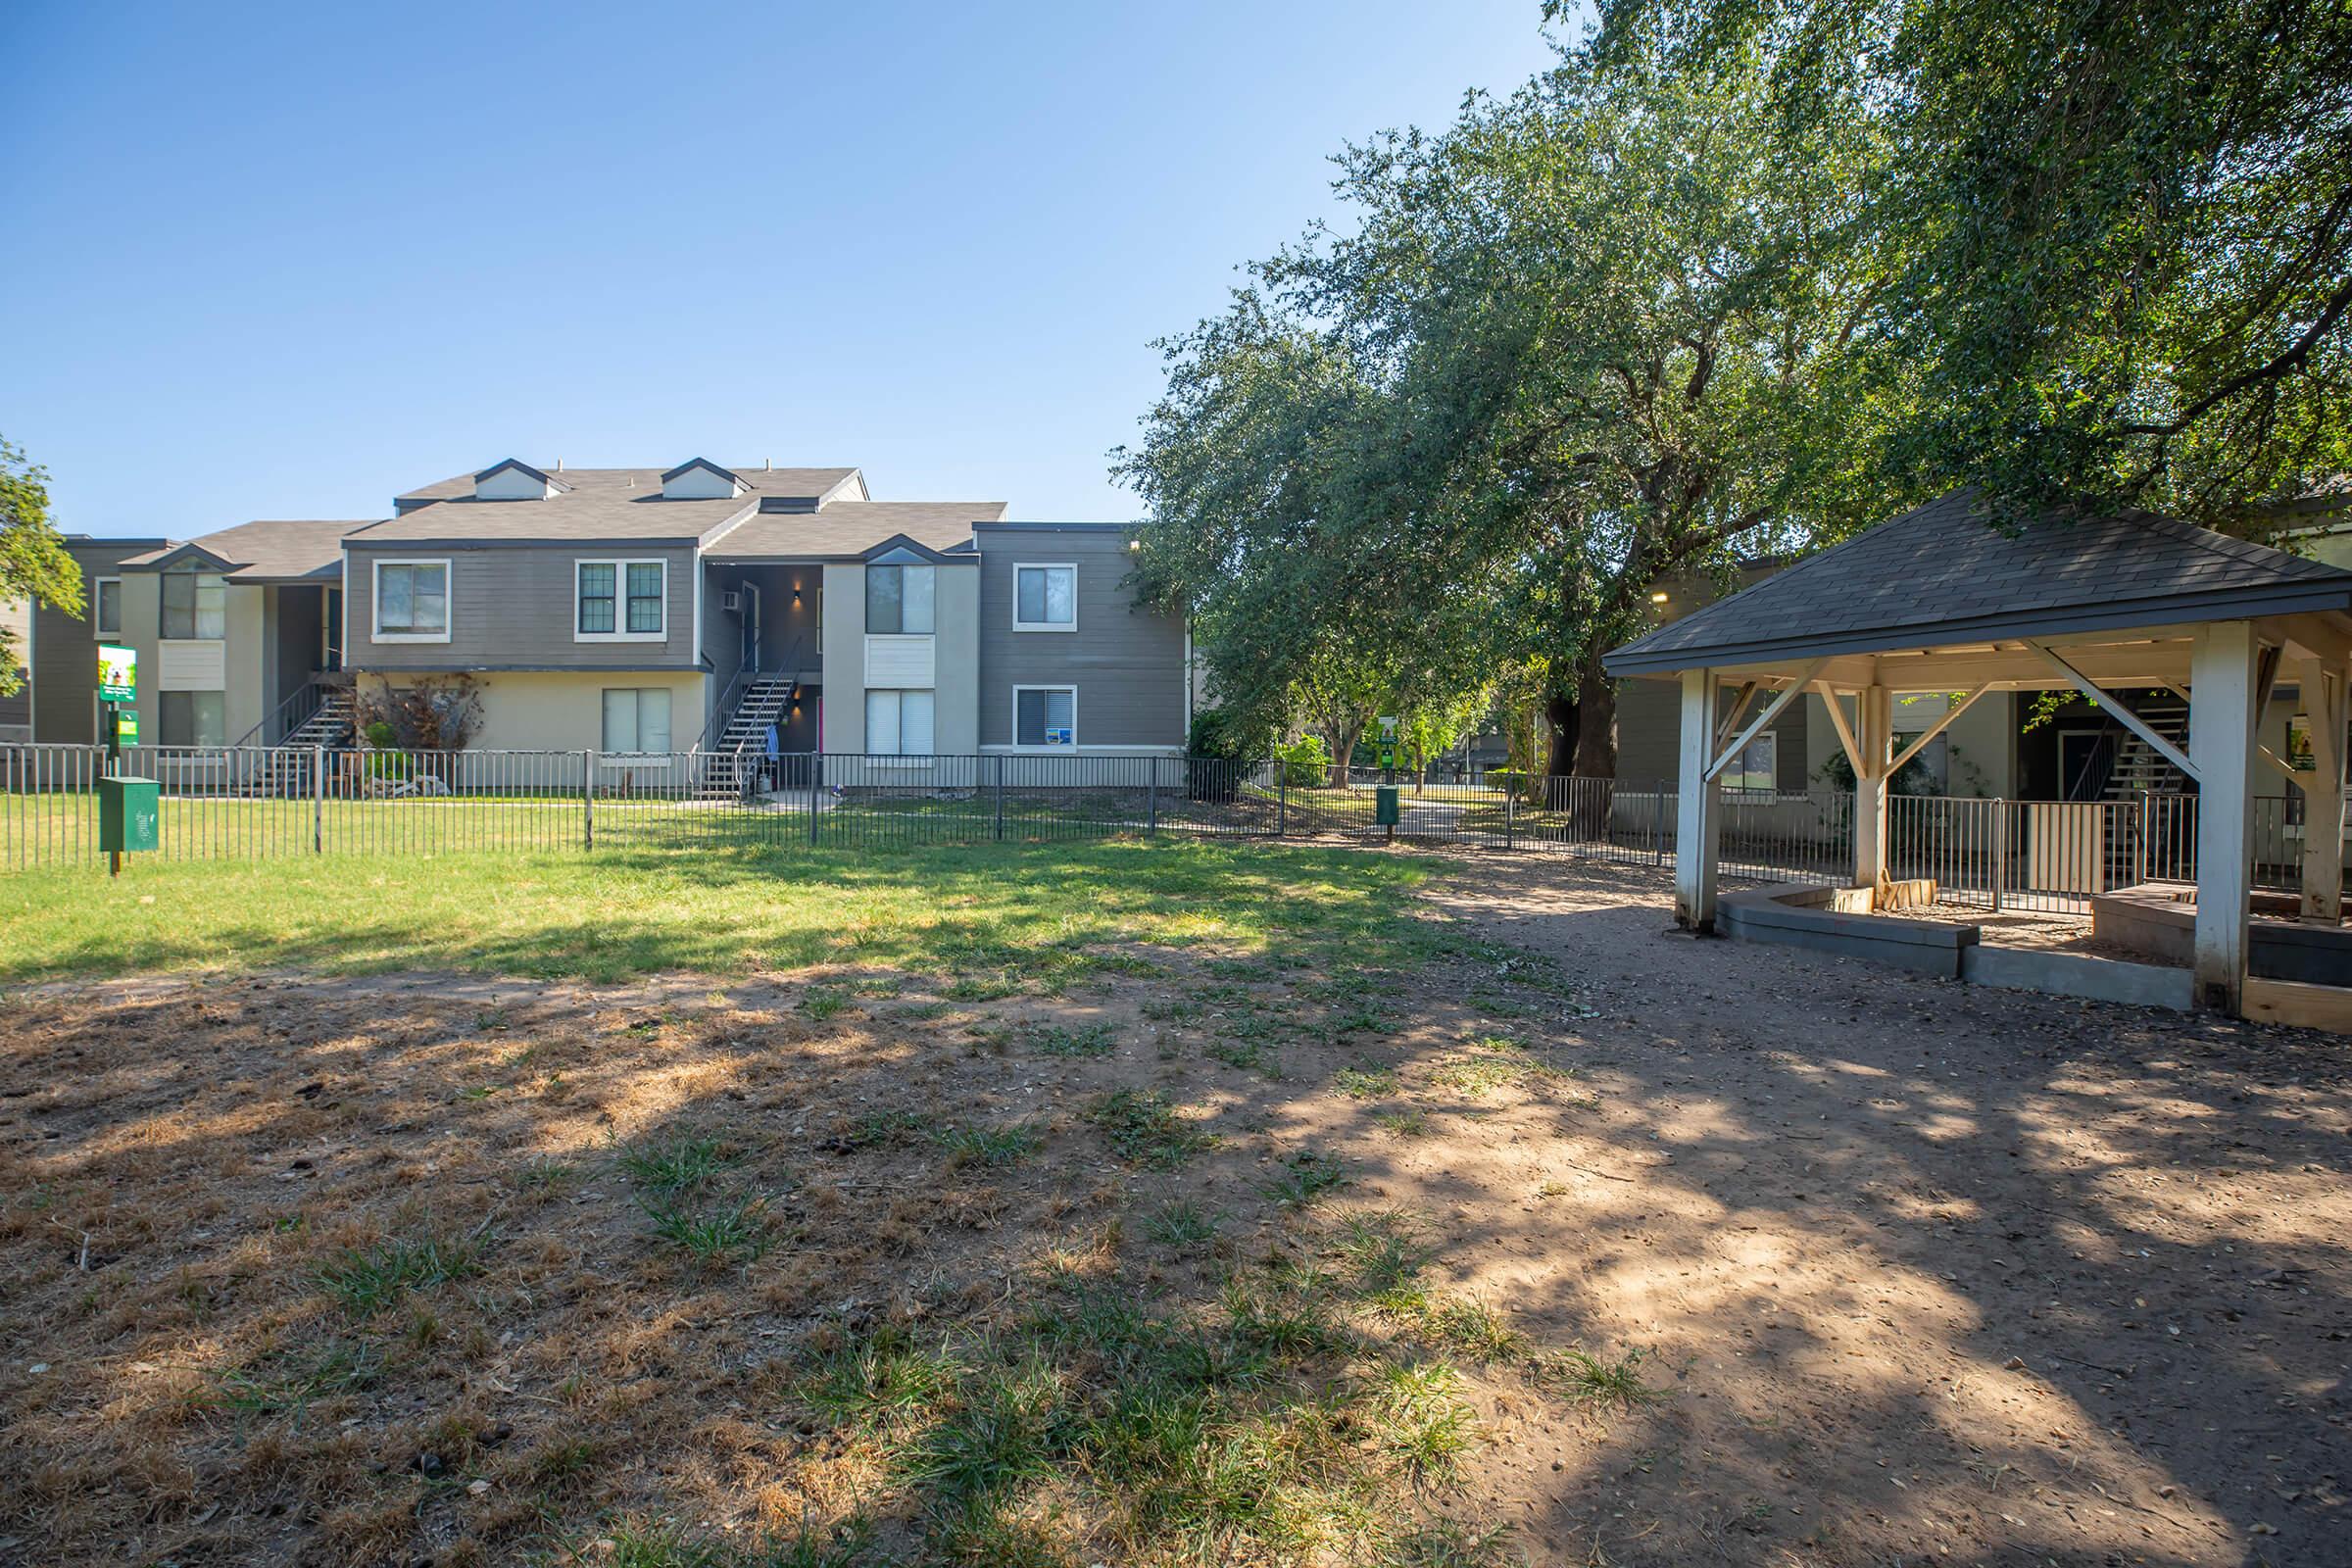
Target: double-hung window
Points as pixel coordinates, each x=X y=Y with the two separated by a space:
x=637 y=721
x=897 y=723
x=1044 y=598
x=899 y=599
x=619 y=601
x=1756 y=766
x=1044 y=715
x=106 y=606
x=195 y=605
x=411 y=601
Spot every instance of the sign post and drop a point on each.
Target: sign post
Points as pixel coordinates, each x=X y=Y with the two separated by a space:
x=127 y=819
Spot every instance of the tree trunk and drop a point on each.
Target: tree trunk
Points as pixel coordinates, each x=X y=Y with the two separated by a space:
x=1592 y=802
x=1597 y=722
x=1345 y=753
x=1564 y=723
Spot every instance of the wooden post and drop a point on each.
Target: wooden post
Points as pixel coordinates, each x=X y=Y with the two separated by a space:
x=2323 y=704
x=1699 y=819
x=2221 y=743
x=1875 y=709
x=588 y=800
x=2000 y=852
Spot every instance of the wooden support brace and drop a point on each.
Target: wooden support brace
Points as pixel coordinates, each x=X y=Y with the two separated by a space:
x=1919 y=743
x=2108 y=701
x=1846 y=731
x=1788 y=694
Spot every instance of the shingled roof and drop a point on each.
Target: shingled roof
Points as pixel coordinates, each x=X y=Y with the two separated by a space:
x=1944 y=575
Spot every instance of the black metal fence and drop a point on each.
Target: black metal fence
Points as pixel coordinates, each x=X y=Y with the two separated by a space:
x=230 y=803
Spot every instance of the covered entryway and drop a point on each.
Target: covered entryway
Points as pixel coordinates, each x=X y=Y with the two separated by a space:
x=1942 y=601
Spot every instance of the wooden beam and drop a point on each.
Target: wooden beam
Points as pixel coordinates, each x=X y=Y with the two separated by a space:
x=1772 y=710
x=2111 y=703
x=1846 y=731
x=2299 y=777
x=2221 y=732
x=1739 y=710
x=1920 y=743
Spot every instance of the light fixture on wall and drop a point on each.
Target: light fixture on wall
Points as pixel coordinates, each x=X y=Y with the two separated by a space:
x=796 y=596
x=1658 y=598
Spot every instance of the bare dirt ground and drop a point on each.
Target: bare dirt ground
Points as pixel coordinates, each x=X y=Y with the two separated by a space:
x=1957 y=1274
x=2038 y=929
x=1922 y=1272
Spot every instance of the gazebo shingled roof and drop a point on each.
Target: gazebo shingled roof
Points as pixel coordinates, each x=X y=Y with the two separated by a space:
x=1943 y=574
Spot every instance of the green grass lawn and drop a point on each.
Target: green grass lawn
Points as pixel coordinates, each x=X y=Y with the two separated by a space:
x=989 y=915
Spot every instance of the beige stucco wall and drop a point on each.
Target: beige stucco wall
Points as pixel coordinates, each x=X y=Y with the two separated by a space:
x=956 y=712
x=844 y=658
x=246 y=658
x=142 y=619
x=565 y=711
x=956 y=679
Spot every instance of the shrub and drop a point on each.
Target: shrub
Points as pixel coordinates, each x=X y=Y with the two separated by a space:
x=1305 y=762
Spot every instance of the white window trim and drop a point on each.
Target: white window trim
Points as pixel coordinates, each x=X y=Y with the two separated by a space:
x=620 y=565
x=375 y=600
x=99 y=632
x=1019 y=566
x=1056 y=686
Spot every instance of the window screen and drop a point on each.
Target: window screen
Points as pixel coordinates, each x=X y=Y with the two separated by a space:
x=1045 y=715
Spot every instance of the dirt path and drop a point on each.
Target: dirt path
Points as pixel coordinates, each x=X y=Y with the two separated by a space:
x=1950 y=1272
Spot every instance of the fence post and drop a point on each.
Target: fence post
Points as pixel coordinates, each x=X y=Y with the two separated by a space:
x=816 y=788
x=2140 y=864
x=1657 y=823
x=1282 y=796
x=2000 y=852
x=588 y=799
x=997 y=797
x=318 y=799
x=1151 y=795
x=1510 y=820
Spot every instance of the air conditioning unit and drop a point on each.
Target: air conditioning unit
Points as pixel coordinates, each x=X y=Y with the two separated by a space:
x=731 y=601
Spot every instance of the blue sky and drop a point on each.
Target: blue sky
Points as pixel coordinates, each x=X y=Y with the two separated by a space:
x=283 y=261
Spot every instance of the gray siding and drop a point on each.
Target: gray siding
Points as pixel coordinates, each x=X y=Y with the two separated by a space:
x=1127 y=663
x=1649 y=733
x=65 y=650
x=510 y=608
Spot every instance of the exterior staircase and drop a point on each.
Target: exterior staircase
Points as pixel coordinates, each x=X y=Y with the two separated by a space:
x=2139 y=768
x=285 y=768
x=741 y=747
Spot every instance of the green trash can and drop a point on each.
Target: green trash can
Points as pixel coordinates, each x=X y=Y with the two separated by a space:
x=128 y=813
x=1383 y=806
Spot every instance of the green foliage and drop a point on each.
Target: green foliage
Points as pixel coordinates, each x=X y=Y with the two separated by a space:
x=1228 y=735
x=1595 y=333
x=1145 y=1129
x=34 y=561
x=1305 y=762
x=364 y=1281
x=2119 y=236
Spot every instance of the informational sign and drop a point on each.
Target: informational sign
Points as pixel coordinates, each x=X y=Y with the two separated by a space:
x=127 y=727
x=118 y=673
x=1387 y=740
x=1059 y=735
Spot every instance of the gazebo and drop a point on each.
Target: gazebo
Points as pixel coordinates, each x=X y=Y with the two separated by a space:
x=1945 y=599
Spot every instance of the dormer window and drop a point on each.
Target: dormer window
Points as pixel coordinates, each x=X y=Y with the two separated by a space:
x=516 y=481
x=700 y=479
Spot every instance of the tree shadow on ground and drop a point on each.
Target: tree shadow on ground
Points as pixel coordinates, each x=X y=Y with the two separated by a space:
x=1832 y=1205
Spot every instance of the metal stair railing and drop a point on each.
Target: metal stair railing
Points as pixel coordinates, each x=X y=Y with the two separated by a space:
x=313 y=688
